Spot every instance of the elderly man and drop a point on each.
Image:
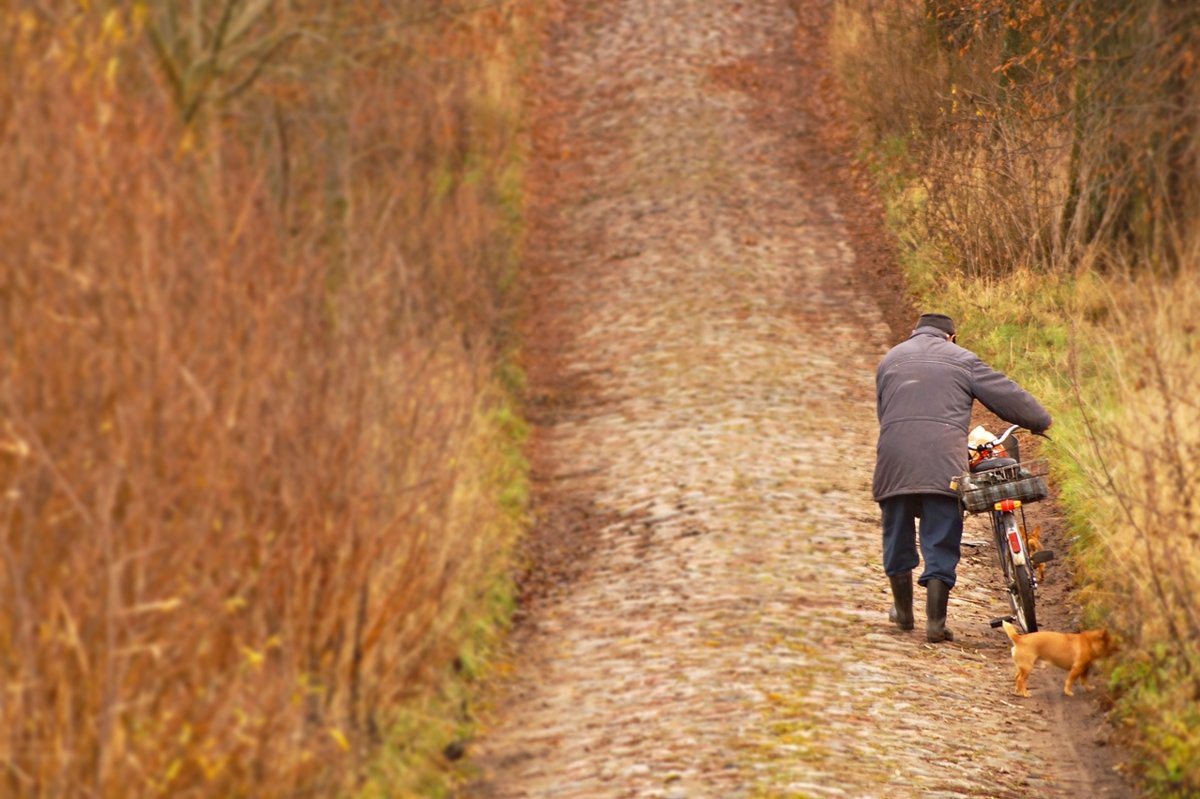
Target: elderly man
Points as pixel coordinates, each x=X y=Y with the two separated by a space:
x=925 y=388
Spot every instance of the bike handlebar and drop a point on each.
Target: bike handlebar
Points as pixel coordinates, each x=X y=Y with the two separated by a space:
x=1002 y=438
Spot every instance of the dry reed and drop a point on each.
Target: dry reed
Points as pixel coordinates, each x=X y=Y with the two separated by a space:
x=250 y=463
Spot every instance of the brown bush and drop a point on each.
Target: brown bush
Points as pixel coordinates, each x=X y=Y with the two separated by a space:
x=249 y=460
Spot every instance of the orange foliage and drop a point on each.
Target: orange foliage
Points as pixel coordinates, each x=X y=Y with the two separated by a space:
x=245 y=490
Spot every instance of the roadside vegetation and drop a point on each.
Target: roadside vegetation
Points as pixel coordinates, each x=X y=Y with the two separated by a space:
x=260 y=471
x=1041 y=167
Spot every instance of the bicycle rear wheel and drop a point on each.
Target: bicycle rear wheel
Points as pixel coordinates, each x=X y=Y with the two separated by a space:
x=1019 y=577
x=1020 y=596
x=999 y=538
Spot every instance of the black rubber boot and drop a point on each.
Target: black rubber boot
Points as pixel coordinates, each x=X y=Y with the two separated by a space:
x=937 y=595
x=901 y=613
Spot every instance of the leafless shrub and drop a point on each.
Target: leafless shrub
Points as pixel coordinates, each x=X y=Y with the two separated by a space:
x=1047 y=140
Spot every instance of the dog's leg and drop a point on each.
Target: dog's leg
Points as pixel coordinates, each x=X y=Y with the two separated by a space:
x=1083 y=676
x=1022 y=681
x=1074 y=674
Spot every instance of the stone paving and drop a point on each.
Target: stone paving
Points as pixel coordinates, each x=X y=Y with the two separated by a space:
x=727 y=637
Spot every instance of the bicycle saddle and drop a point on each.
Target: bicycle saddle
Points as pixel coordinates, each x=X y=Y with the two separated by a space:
x=992 y=463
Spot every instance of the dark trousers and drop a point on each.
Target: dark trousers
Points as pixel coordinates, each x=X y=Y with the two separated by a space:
x=941 y=535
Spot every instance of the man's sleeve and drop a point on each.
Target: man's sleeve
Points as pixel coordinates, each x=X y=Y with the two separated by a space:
x=1006 y=399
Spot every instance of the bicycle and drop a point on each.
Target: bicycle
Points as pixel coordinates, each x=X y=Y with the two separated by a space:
x=998 y=482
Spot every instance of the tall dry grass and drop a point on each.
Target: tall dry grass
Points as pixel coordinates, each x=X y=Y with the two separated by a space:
x=254 y=459
x=1136 y=484
x=1040 y=164
x=1141 y=463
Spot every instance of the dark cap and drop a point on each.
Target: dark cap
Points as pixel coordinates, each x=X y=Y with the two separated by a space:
x=939 y=320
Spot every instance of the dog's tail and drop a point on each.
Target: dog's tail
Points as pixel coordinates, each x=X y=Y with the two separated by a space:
x=1011 y=630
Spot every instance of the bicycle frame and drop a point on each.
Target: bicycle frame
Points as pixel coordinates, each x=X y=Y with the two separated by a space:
x=1010 y=535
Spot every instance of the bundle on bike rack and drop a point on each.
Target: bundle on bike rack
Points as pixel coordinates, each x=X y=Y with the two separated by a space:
x=1025 y=481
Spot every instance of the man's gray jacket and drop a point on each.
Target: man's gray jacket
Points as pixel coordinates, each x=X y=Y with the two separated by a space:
x=924 y=389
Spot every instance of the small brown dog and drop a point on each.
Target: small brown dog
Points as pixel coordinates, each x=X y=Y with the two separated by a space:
x=1034 y=540
x=1072 y=651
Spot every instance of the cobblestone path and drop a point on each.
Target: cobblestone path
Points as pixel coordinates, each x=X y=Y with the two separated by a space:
x=709 y=411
